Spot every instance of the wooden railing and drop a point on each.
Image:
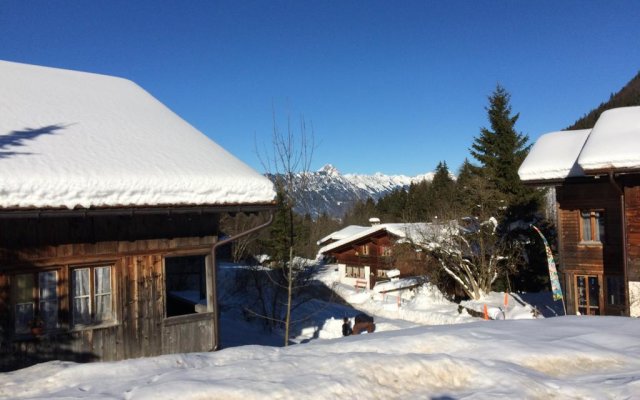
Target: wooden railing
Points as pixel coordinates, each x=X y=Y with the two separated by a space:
x=382 y=262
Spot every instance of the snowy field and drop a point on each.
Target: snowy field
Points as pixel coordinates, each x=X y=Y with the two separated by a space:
x=423 y=347
x=564 y=357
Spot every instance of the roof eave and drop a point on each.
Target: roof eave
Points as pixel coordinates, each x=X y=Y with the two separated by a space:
x=135 y=210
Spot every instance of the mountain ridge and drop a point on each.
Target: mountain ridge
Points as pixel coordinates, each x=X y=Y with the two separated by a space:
x=327 y=191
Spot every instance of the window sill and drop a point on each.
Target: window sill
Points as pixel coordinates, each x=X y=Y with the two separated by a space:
x=81 y=328
x=180 y=319
x=590 y=243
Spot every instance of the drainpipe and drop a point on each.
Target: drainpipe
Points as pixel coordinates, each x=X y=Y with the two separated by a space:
x=624 y=240
x=214 y=266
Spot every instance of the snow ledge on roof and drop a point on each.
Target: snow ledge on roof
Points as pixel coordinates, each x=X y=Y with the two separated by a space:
x=554 y=155
x=614 y=141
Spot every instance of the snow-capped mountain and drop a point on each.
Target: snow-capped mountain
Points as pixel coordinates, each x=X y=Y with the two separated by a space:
x=329 y=191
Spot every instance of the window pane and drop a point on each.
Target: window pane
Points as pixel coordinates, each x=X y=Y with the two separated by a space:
x=49 y=314
x=103 y=293
x=80 y=282
x=594 y=292
x=24 y=317
x=615 y=290
x=586 y=226
x=81 y=289
x=103 y=308
x=48 y=282
x=24 y=288
x=81 y=310
x=581 y=291
x=600 y=225
x=103 y=280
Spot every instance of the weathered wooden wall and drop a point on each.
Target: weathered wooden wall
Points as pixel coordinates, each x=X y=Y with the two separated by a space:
x=589 y=258
x=140 y=327
x=632 y=216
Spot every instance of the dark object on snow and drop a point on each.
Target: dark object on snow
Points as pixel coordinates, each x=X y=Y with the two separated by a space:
x=363 y=323
x=346 y=327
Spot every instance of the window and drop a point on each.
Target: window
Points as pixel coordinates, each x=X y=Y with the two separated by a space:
x=36 y=301
x=91 y=295
x=615 y=290
x=354 y=272
x=365 y=249
x=386 y=251
x=587 y=289
x=186 y=285
x=592 y=226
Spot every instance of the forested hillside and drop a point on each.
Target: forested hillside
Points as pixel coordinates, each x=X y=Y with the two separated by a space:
x=629 y=95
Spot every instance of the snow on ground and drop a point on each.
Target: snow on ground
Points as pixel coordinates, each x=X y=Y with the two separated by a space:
x=458 y=356
x=564 y=357
x=423 y=304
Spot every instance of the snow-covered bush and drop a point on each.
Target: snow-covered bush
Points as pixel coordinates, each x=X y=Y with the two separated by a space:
x=475 y=255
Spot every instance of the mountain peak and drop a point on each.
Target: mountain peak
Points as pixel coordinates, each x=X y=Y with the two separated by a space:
x=329 y=169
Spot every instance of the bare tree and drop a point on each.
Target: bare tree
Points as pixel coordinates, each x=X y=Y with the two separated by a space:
x=232 y=224
x=474 y=253
x=289 y=163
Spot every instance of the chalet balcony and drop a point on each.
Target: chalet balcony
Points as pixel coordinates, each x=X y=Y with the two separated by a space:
x=375 y=262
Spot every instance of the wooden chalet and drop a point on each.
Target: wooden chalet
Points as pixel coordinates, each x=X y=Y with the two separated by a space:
x=109 y=210
x=596 y=174
x=366 y=254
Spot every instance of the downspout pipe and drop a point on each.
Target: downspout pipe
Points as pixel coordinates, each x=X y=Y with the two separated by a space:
x=623 y=219
x=214 y=263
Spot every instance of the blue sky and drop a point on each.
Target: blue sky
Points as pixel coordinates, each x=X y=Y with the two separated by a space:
x=388 y=86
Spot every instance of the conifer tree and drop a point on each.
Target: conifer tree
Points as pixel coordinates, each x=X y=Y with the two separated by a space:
x=464 y=188
x=500 y=150
x=441 y=193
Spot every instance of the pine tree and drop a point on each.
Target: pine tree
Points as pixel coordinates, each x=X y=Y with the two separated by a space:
x=500 y=150
x=393 y=206
x=441 y=192
x=464 y=194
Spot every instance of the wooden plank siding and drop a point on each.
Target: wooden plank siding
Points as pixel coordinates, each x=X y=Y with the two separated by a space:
x=632 y=216
x=578 y=257
x=140 y=327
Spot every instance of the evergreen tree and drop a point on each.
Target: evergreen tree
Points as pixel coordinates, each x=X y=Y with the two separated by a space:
x=417 y=208
x=464 y=196
x=500 y=150
x=360 y=213
x=441 y=192
x=393 y=206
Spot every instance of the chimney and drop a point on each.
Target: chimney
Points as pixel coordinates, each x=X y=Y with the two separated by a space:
x=374 y=221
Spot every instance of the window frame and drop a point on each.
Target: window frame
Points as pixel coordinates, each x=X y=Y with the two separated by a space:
x=209 y=291
x=355 y=271
x=93 y=323
x=596 y=218
x=37 y=324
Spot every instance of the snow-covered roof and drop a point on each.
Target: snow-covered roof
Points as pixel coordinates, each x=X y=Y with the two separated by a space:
x=419 y=232
x=554 y=156
x=343 y=233
x=612 y=144
x=614 y=141
x=73 y=139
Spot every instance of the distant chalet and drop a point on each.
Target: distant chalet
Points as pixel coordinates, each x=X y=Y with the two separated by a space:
x=597 y=175
x=109 y=210
x=369 y=254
